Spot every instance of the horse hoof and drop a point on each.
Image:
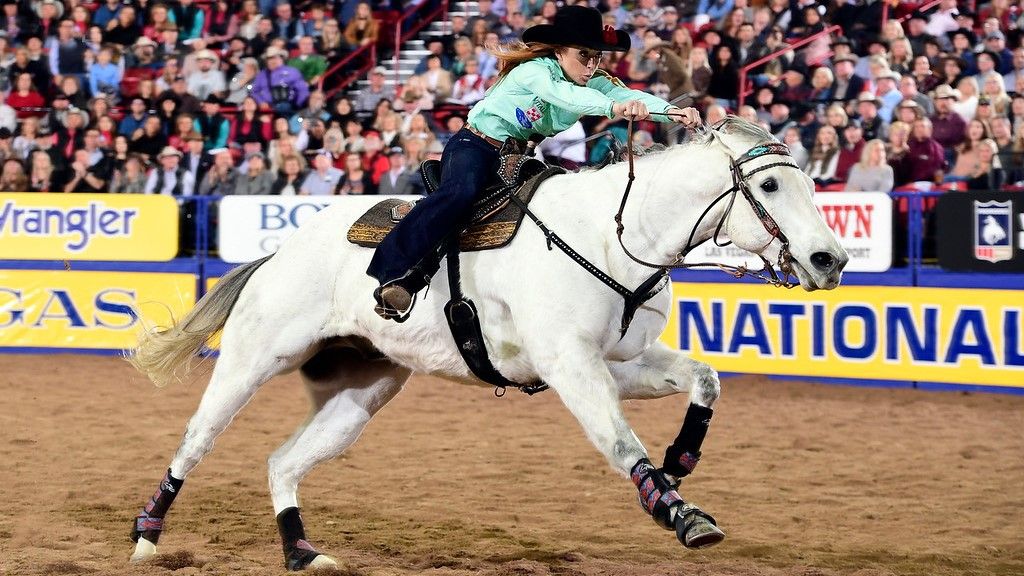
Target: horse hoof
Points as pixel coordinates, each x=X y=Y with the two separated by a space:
x=702 y=535
x=323 y=561
x=695 y=529
x=144 y=550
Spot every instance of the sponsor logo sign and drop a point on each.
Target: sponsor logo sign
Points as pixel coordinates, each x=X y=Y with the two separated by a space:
x=95 y=310
x=957 y=336
x=861 y=220
x=115 y=227
x=993 y=238
x=253 y=226
x=980 y=231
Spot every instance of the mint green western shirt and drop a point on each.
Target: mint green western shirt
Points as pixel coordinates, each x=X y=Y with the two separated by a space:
x=537 y=98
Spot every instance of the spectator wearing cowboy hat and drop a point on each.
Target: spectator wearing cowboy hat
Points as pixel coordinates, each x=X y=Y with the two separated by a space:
x=918 y=34
x=212 y=125
x=555 y=64
x=888 y=92
x=279 y=86
x=144 y=51
x=984 y=63
x=170 y=178
x=195 y=160
x=948 y=127
x=908 y=111
x=71 y=136
x=847 y=85
x=207 y=79
x=871 y=123
x=169 y=46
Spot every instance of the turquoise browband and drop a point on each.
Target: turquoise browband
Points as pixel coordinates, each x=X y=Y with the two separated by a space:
x=764 y=149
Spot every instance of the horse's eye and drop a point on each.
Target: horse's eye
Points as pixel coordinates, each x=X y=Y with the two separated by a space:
x=770 y=185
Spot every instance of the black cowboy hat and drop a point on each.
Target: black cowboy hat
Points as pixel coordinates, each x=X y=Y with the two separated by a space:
x=581 y=27
x=968 y=33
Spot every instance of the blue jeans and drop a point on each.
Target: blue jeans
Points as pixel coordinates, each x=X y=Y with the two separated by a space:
x=467 y=164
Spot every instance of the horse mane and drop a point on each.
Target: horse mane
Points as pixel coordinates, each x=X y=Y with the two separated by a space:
x=739 y=127
x=704 y=135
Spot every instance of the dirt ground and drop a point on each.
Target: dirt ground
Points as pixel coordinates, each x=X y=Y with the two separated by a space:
x=805 y=479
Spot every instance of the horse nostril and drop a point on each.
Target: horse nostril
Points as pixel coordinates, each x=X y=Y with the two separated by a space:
x=823 y=260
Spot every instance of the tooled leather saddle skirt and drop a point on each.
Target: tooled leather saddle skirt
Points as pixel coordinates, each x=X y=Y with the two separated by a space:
x=495 y=219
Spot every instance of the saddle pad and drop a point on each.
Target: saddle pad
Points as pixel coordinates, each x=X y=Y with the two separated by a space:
x=496 y=230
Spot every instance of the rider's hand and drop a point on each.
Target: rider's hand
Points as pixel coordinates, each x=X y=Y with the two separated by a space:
x=634 y=109
x=688 y=117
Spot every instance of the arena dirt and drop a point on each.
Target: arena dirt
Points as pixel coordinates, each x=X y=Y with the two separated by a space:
x=805 y=479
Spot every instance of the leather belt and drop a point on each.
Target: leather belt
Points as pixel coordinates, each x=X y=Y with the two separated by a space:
x=492 y=141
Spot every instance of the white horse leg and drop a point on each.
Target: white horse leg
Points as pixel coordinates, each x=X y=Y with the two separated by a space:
x=243 y=366
x=346 y=391
x=587 y=388
x=661 y=371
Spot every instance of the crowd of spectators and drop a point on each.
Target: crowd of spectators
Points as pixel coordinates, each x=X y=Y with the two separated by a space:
x=232 y=96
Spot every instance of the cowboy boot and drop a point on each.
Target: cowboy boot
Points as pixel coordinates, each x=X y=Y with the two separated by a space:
x=396 y=298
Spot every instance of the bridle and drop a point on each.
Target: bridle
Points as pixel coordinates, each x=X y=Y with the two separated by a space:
x=739 y=186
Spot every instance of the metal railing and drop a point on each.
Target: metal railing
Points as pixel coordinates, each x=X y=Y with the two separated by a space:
x=420 y=15
x=744 y=92
x=403 y=36
x=369 y=51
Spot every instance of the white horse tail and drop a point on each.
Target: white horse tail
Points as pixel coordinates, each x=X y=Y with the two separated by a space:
x=166 y=354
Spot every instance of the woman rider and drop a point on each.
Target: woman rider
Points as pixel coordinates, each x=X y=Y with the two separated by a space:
x=546 y=83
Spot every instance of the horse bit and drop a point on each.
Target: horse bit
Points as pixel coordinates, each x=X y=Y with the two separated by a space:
x=739 y=185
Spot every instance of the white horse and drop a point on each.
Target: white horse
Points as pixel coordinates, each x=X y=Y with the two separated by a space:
x=310 y=307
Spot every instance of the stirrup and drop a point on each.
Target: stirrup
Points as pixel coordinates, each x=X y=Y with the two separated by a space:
x=386 y=307
x=396 y=298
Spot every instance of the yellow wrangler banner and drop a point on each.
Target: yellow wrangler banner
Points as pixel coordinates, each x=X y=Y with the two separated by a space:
x=119 y=227
x=948 y=335
x=96 y=310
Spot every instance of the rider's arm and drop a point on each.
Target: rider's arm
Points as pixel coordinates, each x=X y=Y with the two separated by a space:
x=613 y=88
x=583 y=100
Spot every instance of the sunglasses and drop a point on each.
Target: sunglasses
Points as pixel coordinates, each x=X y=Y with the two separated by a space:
x=588 y=57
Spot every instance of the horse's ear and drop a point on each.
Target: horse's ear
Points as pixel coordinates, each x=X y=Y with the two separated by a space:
x=726 y=125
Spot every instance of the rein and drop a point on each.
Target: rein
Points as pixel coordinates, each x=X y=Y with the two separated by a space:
x=739 y=186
